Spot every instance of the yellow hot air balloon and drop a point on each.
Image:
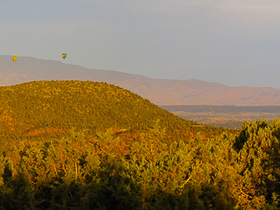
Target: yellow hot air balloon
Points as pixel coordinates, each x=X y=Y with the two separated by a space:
x=64 y=55
x=14 y=58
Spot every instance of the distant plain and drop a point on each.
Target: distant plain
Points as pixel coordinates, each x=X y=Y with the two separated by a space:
x=224 y=116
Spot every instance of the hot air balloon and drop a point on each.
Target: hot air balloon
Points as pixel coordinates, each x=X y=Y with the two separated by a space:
x=14 y=58
x=64 y=55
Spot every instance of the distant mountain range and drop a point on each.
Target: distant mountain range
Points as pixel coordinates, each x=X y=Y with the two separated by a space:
x=158 y=91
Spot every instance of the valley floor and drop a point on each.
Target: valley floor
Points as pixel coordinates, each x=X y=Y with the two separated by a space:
x=225 y=116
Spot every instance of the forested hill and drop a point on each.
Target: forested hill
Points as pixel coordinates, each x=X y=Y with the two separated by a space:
x=54 y=107
x=79 y=104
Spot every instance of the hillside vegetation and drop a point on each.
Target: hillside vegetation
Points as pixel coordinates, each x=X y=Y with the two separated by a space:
x=86 y=145
x=43 y=108
x=90 y=105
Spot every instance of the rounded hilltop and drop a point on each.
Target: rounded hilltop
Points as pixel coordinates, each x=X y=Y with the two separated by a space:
x=80 y=104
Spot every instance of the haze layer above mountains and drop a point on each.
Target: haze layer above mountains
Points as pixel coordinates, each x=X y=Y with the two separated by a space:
x=158 y=91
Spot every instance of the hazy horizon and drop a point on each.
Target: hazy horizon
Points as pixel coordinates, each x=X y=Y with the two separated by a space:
x=232 y=42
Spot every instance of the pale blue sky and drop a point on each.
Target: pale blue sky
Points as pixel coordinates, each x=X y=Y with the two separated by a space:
x=233 y=42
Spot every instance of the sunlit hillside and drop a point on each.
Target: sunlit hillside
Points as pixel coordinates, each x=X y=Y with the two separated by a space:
x=52 y=108
x=66 y=104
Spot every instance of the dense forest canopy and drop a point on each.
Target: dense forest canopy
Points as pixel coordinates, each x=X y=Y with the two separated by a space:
x=88 y=145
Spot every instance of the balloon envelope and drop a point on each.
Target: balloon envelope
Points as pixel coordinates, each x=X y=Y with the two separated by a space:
x=64 y=55
x=14 y=58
